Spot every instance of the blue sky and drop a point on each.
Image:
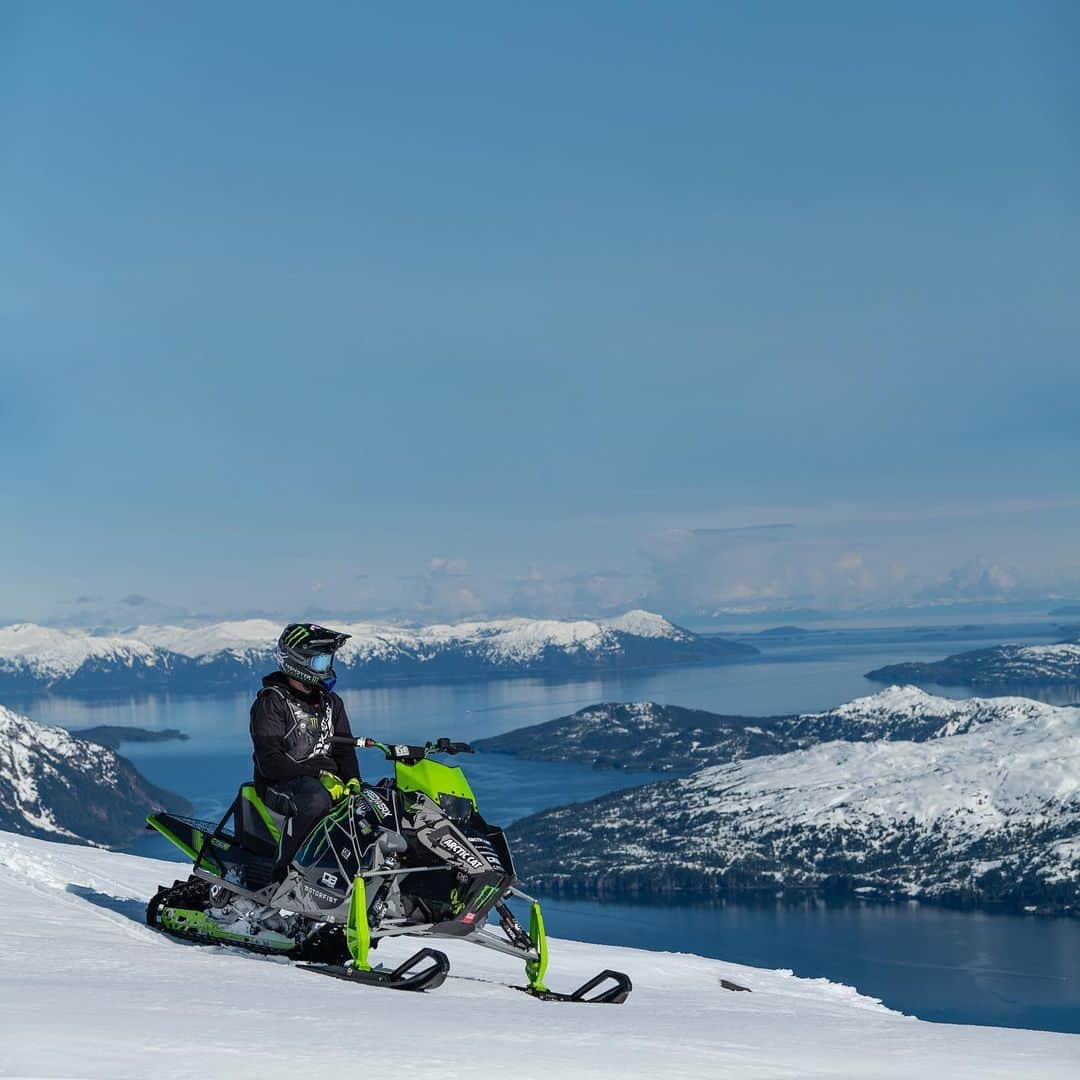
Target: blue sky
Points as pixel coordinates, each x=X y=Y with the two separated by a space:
x=493 y=307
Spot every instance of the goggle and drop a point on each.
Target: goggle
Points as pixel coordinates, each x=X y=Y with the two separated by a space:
x=321 y=662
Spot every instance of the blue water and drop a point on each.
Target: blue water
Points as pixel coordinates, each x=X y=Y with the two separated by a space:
x=948 y=966
x=940 y=965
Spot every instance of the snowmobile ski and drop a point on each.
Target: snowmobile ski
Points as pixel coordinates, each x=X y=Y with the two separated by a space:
x=615 y=994
x=535 y=970
x=412 y=974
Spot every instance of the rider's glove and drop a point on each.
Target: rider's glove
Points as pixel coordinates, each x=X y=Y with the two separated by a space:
x=332 y=784
x=352 y=787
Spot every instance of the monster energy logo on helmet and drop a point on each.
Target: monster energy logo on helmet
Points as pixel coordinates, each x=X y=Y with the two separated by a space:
x=305 y=651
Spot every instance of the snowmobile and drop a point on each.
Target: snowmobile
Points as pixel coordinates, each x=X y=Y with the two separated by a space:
x=408 y=855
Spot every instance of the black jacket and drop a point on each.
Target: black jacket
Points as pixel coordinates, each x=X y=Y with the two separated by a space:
x=291 y=733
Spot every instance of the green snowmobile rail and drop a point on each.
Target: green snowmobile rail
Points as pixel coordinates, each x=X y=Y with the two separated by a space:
x=536 y=969
x=357 y=929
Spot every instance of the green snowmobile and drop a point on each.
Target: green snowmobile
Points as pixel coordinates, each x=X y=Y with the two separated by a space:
x=409 y=855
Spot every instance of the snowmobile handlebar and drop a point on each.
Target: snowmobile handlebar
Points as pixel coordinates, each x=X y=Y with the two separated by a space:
x=404 y=752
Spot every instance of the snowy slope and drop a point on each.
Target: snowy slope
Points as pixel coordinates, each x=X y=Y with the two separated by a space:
x=54 y=784
x=989 y=811
x=49 y=655
x=35 y=657
x=87 y=991
x=243 y=639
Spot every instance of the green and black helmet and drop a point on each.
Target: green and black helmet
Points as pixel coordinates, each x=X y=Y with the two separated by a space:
x=305 y=652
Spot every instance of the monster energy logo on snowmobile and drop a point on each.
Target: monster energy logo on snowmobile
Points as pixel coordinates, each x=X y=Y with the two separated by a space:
x=484 y=896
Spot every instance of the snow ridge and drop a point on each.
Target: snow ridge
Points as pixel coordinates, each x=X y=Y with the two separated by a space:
x=49 y=653
x=35 y=657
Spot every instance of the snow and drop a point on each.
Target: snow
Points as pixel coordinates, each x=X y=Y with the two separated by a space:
x=645 y=624
x=512 y=639
x=31 y=753
x=1034 y=662
x=1009 y=664
x=87 y=990
x=1027 y=757
x=1019 y=771
x=47 y=652
x=991 y=784
x=910 y=703
x=239 y=638
x=988 y=775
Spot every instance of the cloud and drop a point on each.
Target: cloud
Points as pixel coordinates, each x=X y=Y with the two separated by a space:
x=976 y=580
x=439 y=591
x=822 y=557
x=448 y=567
x=757 y=532
x=95 y=611
x=780 y=566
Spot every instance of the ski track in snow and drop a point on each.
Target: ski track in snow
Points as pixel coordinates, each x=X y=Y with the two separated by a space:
x=87 y=991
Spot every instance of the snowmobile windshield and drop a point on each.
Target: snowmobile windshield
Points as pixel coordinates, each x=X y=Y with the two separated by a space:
x=320 y=662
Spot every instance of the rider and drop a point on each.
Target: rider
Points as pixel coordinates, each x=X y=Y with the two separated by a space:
x=294 y=717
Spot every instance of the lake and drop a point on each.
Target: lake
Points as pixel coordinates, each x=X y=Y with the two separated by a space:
x=941 y=965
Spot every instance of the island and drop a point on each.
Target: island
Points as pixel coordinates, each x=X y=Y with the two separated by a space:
x=1015 y=669
x=113 y=735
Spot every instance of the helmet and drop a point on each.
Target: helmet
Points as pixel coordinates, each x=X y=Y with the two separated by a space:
x=305 y=651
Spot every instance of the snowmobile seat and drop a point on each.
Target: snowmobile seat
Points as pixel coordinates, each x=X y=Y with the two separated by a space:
x=258 y=826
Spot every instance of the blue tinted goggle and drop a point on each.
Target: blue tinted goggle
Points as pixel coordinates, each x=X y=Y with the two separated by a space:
x=321 y=662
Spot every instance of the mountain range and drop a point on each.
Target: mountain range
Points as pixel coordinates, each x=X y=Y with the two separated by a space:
x=38 y=658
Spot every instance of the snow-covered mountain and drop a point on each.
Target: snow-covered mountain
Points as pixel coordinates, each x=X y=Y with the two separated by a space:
x=985 y=811
x=1000 y=667
x=87 y=990
x=640 y=736
x=53 y=784
x=34 y=657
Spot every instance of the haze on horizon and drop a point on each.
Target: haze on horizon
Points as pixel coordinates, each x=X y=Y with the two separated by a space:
x=559 y=310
